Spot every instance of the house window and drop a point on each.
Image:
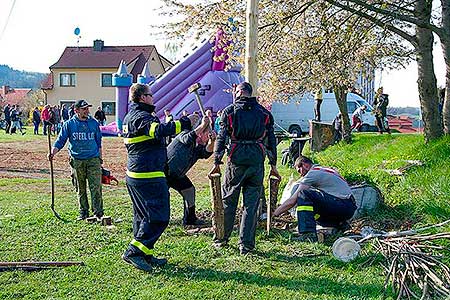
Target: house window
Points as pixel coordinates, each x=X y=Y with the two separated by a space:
x=106 y=80
x=66 y=79
x=109 y=107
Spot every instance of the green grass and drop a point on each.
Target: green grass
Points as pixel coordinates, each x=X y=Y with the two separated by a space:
x=280 y=269
x=18 y=137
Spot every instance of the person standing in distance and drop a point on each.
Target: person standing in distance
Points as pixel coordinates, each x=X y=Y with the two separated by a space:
x=144 y=138
x=246 y=124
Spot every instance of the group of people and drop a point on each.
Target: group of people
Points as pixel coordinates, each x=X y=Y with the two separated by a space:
x=51 y=117
x=13 y=119
x=246 y=134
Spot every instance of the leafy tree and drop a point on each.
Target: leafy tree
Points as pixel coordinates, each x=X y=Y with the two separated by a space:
x=302 y=45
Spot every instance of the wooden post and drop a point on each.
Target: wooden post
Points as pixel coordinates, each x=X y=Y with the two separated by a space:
x=274 y=184
x=251 y=44
x=217 y=206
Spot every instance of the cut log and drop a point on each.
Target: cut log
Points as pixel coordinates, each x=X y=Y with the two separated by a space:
x=217 y=206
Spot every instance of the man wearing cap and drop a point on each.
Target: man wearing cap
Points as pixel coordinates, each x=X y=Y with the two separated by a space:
x=144 y=138
x=249 y=127
x=85 y=149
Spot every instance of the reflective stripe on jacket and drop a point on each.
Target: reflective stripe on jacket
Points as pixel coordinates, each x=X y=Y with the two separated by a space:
x=144 y=138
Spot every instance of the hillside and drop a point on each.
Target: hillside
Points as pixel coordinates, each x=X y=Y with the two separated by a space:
x=20 y=79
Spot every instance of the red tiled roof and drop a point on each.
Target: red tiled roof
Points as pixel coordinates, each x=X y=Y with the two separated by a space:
x=47 y=83
x=108 y=57
x=402 y=123
x=14 y=96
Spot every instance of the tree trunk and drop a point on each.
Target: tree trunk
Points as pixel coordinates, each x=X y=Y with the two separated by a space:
x=426 y=81
x=251 y=45
x=341 y=98
x=445 y=42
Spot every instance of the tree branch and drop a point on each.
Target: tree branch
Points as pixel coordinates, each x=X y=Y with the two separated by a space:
x=403 y=34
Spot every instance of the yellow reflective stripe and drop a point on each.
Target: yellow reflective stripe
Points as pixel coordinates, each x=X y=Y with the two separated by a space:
x=177 y=127
x=316 y=216
x=155 y=174
x=152 y=130
x=137 y=139
x=305 y=208
x=142 y=247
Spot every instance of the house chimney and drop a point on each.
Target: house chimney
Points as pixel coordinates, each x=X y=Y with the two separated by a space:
x=5 y=90
x=98 y=45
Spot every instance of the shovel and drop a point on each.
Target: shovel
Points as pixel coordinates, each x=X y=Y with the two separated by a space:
x=52 y=206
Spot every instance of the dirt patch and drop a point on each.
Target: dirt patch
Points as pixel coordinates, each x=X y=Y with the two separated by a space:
x=28 y=159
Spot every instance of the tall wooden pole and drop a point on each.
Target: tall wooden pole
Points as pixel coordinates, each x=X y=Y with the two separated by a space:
x=251 y=45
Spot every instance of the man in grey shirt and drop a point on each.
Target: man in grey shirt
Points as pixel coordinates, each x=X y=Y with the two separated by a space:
x=323 y=196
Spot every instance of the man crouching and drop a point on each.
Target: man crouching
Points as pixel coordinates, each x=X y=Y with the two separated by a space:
x=182 y=153
x=323 y=196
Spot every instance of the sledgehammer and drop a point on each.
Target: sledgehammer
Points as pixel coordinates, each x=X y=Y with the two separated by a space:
x=194 y=89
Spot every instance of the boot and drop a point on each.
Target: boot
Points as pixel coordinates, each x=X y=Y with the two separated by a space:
x=155 y=262
x=190 y=218
x=310 y=237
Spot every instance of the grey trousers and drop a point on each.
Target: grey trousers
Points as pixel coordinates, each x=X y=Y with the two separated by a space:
x=249 y=178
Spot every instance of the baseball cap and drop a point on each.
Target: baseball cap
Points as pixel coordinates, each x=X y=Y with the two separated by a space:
x=82 y=104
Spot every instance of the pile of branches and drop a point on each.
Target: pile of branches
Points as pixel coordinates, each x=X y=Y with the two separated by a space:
x=414 y=266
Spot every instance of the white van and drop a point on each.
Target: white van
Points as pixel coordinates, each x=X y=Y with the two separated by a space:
x=294 y=116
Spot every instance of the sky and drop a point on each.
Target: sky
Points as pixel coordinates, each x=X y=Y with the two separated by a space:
x=38 y=31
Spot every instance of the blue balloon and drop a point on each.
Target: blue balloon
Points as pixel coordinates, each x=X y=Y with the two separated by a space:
x=77 y=31
x=230 y=19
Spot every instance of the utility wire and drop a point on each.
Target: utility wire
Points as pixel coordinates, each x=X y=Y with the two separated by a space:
x=7 y=20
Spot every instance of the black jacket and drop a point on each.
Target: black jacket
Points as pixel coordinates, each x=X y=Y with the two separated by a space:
x=183 y=152
x=249 y=128
x=144 y=139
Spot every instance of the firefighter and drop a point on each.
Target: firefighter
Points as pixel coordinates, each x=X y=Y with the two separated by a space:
x=144 y=139
x=182 y=153
x=322 y=196
x=246 y=124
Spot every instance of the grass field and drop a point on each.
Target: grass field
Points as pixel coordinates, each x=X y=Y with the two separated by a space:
x=280 y=269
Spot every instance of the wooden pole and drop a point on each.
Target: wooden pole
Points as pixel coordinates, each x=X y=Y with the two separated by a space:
x=217 y=205
x=251 y=44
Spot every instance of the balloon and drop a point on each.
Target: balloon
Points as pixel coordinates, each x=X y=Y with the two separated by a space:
x=230 y=19
x=77 y=31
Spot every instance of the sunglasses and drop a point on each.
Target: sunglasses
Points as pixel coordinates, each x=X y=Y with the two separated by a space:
x=148 y=95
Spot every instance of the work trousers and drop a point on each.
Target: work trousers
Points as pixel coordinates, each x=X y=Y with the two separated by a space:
x=151 y=213
x=89 y=170
x=325 y=209
x=249 y=178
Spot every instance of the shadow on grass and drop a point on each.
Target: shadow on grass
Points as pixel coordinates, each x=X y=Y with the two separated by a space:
x=310 y=284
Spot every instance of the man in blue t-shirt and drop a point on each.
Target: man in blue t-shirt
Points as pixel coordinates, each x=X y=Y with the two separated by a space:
x=85 y=148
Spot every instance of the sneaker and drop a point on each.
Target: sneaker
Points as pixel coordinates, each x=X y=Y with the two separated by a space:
x=196 y=222
x=309 y=237
x=220 y=244
x=82 y=217
x=244 y=251
x=156 y=262
x=99 y=216
x=138 y=262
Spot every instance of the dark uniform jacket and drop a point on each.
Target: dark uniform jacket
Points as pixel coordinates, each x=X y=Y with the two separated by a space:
x=249 y=128
x=183 y=152
x=145 y=143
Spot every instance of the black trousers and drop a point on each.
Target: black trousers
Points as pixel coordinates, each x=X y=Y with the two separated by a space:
x=249 y=179
x=151 y=211
x=327 y=210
